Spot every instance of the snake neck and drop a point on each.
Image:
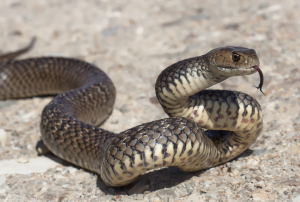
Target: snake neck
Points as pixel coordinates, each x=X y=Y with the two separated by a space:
x=177 y=85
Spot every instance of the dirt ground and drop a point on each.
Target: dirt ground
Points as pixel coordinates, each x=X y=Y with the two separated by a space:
x=133 y=41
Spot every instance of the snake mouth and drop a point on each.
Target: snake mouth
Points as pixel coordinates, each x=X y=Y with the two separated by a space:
x=244 y=71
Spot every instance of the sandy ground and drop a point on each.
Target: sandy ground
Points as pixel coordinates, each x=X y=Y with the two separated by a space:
x=133 y=41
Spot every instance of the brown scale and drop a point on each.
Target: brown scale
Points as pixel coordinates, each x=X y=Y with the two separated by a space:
x=86 y=97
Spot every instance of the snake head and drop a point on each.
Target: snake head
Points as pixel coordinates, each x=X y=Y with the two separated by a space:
x=233 y=61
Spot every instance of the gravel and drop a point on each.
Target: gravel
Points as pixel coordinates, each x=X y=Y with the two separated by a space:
x=133 y=41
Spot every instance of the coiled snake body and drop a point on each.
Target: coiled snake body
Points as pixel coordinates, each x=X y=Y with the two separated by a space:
x=86 y=97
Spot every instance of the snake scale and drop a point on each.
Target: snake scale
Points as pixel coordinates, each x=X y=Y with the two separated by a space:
x=86 y=96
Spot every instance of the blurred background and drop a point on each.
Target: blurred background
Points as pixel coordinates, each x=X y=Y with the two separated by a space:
x=133 y=41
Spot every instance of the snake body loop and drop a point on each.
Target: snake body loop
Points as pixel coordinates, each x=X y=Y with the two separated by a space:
x=86 y=96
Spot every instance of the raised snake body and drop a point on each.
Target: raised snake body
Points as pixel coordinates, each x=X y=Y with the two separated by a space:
x=86 y=98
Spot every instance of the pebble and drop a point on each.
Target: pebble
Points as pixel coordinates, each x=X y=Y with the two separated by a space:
x=206 y=178
x=110 y=31
x=2 y=180
x=124 y=108
x=228 y=192
x=253 y=162
x=258 y=196
x=107 y=197
x=290 y=135
x=3 y=137
x=296 y=149
x=138 y=188
x=65 y=186
x=139 y=196
x=155 y=199
x=15 y=133
x=260 y=184
x=291 y=182
x=235 y=182
x=189 y=189
x=258 y=178
x=23 y=159
x=259 y=152
x=234 y=173
x=166 y=194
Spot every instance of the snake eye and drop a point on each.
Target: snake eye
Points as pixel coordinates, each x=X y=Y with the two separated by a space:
x=236 y=57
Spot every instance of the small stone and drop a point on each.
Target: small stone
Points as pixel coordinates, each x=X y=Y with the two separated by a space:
x=259 y=152
x=138 y=188
x=65 y=186
x=259 y=196
x=110 y=31
x=235 y=182
x=114 y=122
x=59 y=169
x=23 y=159
x=290 y=135
x=124 y=108
x=15 y=133
x=107 y=197
x=291 y=182
x=166 y=193
x=276 y=106
x=2 y=180
x=156 y=199
x=189 y=188
x=228 y=192
x=235 y=172
x=250 y=161
x=297 y=120
x=28 y=116
x=3 y=137
x=206 y=178
x=140 y=197
x=253 y=162
x=258 y=178
x=65 y=172
x=260 y=184
x=295 y=149
x=225 y=170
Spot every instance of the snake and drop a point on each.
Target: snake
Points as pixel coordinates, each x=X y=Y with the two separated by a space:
x=205 y=128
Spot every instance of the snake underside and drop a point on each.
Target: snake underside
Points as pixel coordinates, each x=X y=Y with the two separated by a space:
x=86 y=96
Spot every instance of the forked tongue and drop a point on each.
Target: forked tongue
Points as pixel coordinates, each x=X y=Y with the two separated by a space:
x=261 y=78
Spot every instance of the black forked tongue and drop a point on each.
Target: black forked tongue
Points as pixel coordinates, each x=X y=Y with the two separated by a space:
x=261 y=78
